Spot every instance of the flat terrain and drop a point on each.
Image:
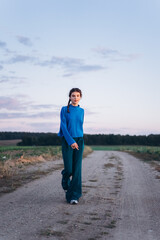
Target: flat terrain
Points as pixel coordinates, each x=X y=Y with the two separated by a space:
x=121 y=201
x=9 y=142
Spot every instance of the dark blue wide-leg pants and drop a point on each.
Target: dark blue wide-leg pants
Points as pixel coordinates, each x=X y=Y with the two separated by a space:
x=72 y=172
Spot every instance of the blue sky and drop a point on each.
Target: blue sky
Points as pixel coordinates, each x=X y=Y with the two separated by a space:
x=108 y=49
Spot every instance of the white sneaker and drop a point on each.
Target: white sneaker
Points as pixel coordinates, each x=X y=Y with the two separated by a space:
x=73 y=202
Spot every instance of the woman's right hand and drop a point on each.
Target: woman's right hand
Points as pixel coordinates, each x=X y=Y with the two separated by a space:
x=75 y=145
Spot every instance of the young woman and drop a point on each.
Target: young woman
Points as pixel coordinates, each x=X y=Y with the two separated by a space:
x=71 y=131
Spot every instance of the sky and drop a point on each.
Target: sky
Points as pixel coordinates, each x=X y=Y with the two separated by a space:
x=108 y=49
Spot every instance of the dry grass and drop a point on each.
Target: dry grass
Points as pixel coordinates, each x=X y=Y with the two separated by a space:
x=13 y=159
x=87 y=150
x=157 y=168
x=17 y=179
x=147 y=156
x=14 y=167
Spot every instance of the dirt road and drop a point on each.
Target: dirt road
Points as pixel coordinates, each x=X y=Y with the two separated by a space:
x=121 y=201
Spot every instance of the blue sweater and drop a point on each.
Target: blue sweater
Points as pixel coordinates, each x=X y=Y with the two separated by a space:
x=71 y=123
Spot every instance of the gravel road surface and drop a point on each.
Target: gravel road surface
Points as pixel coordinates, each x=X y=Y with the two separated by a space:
x=121 y=201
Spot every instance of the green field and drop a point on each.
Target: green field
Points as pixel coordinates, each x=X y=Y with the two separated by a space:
x=144 y=152
x=14 y=152
x=127 y=148
x=8 y=152
x=147 y=153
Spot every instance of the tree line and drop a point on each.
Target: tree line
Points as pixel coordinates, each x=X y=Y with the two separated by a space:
x=44 y=139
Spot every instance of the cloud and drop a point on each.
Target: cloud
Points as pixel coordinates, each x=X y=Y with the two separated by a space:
x=19 y=103
x=12 y=79
x=3 y=81
x=88 y=68
x=24 y=40
x=10 y=103
x=44 y=106
x=45 y=126
x=115 y=55
x=44 y=115
x=18 y=107
x=71 y=65
x=68 y=75
x=1 y=67
x=2 y=44
x=90 y=112
x=16 y=115
x=21 y=59
x=19 y=125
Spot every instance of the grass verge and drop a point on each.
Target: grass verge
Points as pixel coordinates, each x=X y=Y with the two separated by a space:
x=20 y=165
x=146 y=153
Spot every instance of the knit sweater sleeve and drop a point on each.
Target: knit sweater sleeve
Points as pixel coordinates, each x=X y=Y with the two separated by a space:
x=66 y=134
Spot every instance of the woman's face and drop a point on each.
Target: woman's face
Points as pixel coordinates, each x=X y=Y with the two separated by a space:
x=75 y=98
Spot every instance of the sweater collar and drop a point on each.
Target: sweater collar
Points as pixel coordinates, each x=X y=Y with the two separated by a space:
x=74 y=106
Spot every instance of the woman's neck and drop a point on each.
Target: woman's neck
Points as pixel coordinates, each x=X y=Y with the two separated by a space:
x=74 y=105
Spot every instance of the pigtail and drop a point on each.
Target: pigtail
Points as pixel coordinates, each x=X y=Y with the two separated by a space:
x=68 y=105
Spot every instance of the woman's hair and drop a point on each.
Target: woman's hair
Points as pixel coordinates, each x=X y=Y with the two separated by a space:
x=70 y=93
